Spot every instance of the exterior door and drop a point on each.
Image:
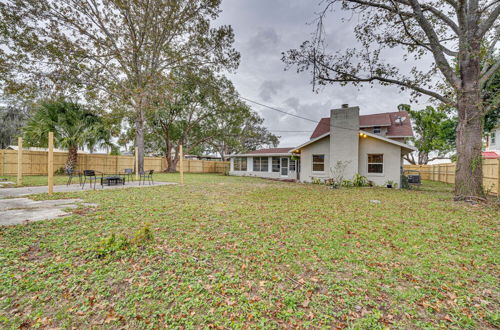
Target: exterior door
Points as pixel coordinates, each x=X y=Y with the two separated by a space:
x=284 y=166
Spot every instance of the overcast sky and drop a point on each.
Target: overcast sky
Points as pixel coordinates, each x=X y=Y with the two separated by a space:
x=265 y=28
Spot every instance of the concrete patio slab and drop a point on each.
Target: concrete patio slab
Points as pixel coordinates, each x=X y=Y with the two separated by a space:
x=15 y=211
x=23 y=210
x=23 y=191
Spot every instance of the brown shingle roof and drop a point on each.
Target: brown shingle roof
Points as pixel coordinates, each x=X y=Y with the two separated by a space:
x=380 y=119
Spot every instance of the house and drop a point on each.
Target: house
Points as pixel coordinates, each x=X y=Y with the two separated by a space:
x=493 y=143
x=341 y=145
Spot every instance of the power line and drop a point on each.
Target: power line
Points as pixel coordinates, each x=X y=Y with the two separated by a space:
x=294 y=115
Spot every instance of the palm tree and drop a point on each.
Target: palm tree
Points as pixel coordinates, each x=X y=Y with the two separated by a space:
x=74 y=127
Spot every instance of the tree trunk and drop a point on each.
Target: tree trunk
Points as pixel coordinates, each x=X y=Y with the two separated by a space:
x=72 y=158
x=139 y=138
x=469 y=170
x=172 y=160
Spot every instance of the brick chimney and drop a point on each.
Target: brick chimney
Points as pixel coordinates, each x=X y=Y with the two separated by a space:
x=344 y=139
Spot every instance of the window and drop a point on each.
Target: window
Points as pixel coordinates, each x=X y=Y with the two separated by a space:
x=376 y=130
x=276 y=164
x=318 y=163
x=240 y=163
x=493 y=138
x=375 y=163
x=260 y=164
x=292 y=165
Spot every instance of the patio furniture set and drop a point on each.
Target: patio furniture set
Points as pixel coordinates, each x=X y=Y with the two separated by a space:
x=92 y=176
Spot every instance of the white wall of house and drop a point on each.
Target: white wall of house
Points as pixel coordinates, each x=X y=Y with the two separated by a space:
x=268 y=174
x=344 y=131
x=494 y=140
x=392 y=160
x=320 y=147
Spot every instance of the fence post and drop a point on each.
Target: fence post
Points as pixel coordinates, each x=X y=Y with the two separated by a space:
x=19 y=161
x=136 y=164
x=498 y=177
x=2 y=161
x=50 y=164
x=181 y=165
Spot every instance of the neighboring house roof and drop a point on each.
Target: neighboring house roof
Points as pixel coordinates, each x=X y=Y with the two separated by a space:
x=375 y=136
x=398 y=124
x=490 y=155
x=267 y=152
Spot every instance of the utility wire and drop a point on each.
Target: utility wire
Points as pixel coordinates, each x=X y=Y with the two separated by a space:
x=294 y=115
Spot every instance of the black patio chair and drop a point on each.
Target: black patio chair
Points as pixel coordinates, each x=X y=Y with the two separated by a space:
x=146 y=175
x=129 y=173
x=72 y=173
x=91 y=176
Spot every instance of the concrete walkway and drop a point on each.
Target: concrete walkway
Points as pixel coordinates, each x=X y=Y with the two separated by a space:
x=23 y=210
x=23 y=191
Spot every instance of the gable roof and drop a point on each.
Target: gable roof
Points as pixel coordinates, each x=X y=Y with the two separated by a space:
x=387 y=119
x=375 y=136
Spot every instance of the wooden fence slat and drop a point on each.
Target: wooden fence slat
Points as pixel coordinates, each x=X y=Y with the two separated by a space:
x=35 y=163
x=446 y=173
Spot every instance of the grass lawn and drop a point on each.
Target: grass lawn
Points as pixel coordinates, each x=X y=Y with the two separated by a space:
x=230 y=252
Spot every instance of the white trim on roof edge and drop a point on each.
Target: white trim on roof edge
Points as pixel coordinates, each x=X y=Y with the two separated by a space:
x=403 y=145
x=262 y=154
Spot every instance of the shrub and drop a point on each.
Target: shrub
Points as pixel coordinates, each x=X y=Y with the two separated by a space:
x=346 y=183
x=359 y=180
x=113 y=244
x=316 y=181
x=393 y=184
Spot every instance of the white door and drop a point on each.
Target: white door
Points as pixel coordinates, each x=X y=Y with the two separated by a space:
x=284 y=166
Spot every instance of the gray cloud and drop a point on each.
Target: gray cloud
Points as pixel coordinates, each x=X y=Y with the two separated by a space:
x=269 y=88
x=264 y=29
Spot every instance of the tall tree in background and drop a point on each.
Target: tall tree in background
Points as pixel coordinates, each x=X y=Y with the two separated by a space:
x=434 y=134
x=12 y=119
x=241 y=129
x=464 y=32
x=111 y=49
x=74 y=128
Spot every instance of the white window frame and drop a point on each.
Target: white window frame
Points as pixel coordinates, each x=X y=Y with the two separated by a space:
x=493 y=138
x=290 y=167
x=373 y=163
x=259 y=163
x=313 y=163
x=239 y=161
x=377 y=130
x=278 y=164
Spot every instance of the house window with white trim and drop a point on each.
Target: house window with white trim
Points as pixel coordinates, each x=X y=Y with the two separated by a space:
x=260 y=164
x=376 y=130
x=291 y=165
x=493 y=138
x=318 y=163
x=240 y=163
x=375 y=163
x=276 y=164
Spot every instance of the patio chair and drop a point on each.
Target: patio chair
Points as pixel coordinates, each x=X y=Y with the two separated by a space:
x=146 y=175
x=91 y=176
x=129 y=173
x=72 y=173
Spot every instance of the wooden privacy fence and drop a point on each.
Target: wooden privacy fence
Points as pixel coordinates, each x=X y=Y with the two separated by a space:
x=35 y=163
x=446 y=173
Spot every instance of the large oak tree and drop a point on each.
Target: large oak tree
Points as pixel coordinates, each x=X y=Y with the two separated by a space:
x=459 y=35
x=112 y=50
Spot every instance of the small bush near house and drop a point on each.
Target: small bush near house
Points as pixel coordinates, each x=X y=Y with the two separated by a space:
x=359 y=180
x=346 y=183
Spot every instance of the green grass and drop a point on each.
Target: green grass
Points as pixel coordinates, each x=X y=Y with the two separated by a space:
x=234 y=252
